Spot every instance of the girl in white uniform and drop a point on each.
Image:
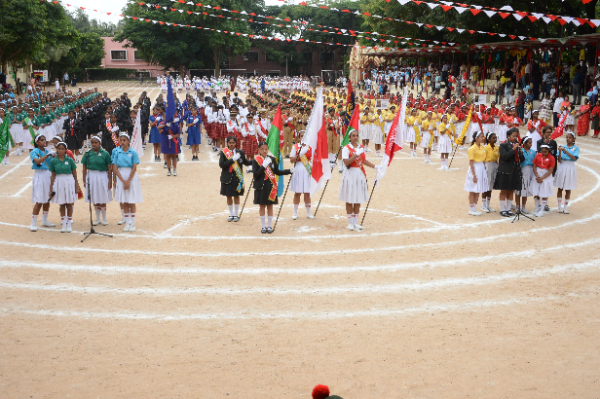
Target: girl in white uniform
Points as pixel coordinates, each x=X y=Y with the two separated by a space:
x=353 y=187
x=412 y=131
x=566 y=173
x=366 y=128
x=377 y=129
x=40 y=187
x=446 y=133
x=527 y=173
x=126 y=184
x=542 y=185
x=300 y=184
x=96 y=163
x=476 y=182
x=65 y=186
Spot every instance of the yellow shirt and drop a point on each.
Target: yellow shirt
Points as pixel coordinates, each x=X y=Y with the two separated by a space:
x=492 y=154
x=426 y=125
x=378 y=121
x=476 y=153
x=364 y=120
x=445 y=129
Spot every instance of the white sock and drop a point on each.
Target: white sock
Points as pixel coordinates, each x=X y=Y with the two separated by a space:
x=44 y=217
x=69 y=221
x=132 y=219
x=63 y=221
x=307 y=209
x=560 y=202
x=350 y=218
x=262 y=221
x=487 y=202
x=502 y=206
x=103 y=212
x=237 y=208
x=97 y=209
x=230 y=210
x=269 y=220
x=537 y=203
x=126 y=219
x=354 y=218
x=508 y=204
x=473 y=207
x=444 y=163
x=566 y=204
x=122 y=214
x=34 y=220
x=295 y=209
x=544 y=203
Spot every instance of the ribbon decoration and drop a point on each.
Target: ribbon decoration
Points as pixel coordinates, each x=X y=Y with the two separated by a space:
x=461 y=138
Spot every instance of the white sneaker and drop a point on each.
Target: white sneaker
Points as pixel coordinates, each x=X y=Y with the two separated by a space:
x=63 y=228
x=132 y=227
x=491 y=209
x=475 y=213
x=69 y=229
x=310 y=216
x=96 y=222
x=358 y=227
x=33 y=227
x=539 y=214
x=560 y=210
x=105 y=223
x=48 y=224
x=484 y=209
x=126 y=229
x=350 y=227
x=565 y=211
x=294 y=217
x=122 y=221
x=525 y=211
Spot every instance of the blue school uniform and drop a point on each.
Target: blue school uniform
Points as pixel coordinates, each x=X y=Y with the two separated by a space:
x=193 y=130
x=528 y=157
x=169 y=146
x=124 y=159
x=37 y=153
x=154 y=133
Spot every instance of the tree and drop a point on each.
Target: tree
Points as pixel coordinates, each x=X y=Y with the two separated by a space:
x=179 y=48
x=84 y=24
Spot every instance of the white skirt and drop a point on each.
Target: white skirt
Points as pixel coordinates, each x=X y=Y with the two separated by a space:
x=566 y=176
x=528 y=178
x=40 y=186
x=300 y=179
x=410 y=134
x=365 y=132
x=425 y=139
x=487 y=127
x=570 y=120
x=16 y=131
x=459 y=127
x=64 y=187
x=544 y=189
x=501 y=133
x=482 y=184
x=491 y=169
x=134 y=194
x=444 y=144
x=353 y=188
x=98 y=183
x=377 y=135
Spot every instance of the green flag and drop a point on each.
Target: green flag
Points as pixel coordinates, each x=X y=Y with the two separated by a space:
x=274 y=141
x=6 y=140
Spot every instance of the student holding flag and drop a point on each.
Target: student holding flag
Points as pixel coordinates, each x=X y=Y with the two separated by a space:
x=300 y=184
x=170 y=144
x=231 y=162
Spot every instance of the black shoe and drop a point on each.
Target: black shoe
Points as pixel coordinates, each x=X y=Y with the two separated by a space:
x=504 y=214
x=546 y=208
x=269 y=230
x=236 y=219
x=509 y=213
x=177 y=158
x=263 y=230
x=230 y=219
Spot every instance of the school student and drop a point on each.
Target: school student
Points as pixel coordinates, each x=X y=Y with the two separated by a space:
x=542 y=185
x=492 y=154
x=231 y=162
x=476 y=181
x=300 y=156
x=566 y=173
x=97 y=178
x=126 y=184
x=40 y=187
x=64 y=185
x=527 y=175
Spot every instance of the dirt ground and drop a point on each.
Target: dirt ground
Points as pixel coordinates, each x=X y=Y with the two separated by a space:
x=426 y=302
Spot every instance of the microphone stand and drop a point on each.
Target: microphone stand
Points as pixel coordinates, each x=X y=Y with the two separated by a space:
x=519 y=213
x=89 y=196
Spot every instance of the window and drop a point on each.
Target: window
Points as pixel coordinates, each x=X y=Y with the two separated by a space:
x=307 y=56
x=251 y=56
x=136 y=57
x=326 y=57
x=118 y=55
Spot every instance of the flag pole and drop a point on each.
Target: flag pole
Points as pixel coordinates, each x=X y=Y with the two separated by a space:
x=247 y=195
x=287 y=186
x=327 y=182
x=368 y=202
x=453 y=153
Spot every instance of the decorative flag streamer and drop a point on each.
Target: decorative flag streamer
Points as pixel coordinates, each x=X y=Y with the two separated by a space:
x=460 y=140
x=316 y=138
x=273 y=142
x=136 y=136
x=6 y=139
x=561 y=127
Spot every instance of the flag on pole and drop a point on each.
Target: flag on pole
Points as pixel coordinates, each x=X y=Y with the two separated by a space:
x=352 y=126
x=136 y=138
x=274 y=144
x=170 y=108
x=350 y=104
x=561 y=127
x=6 y=140
x=316 y=138
x=394 y=140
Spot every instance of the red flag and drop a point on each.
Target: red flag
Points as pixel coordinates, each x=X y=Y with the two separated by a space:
x=561 y=127
x=350 y=92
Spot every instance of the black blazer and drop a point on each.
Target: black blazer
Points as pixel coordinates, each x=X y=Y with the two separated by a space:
x=259 y=172
x=507 y=157
x=107 y=141
x=224 y=164
x=67 y=127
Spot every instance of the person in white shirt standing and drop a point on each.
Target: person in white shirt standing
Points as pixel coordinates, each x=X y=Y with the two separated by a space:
x=556 y=109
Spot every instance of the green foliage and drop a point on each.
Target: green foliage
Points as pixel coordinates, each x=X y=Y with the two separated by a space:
x=179 y=48
x=109 y=73
x=84 y=24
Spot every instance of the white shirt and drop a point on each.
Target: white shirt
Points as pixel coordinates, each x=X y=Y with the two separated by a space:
x=557 y=103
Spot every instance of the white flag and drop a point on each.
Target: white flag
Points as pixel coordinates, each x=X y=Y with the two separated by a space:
x=136 y=137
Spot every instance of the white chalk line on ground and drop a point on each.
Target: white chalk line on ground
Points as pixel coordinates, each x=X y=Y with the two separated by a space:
x=62 y=267
x=427 y=308
x=226 y=255
x=329 y=290
x=15 y=167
